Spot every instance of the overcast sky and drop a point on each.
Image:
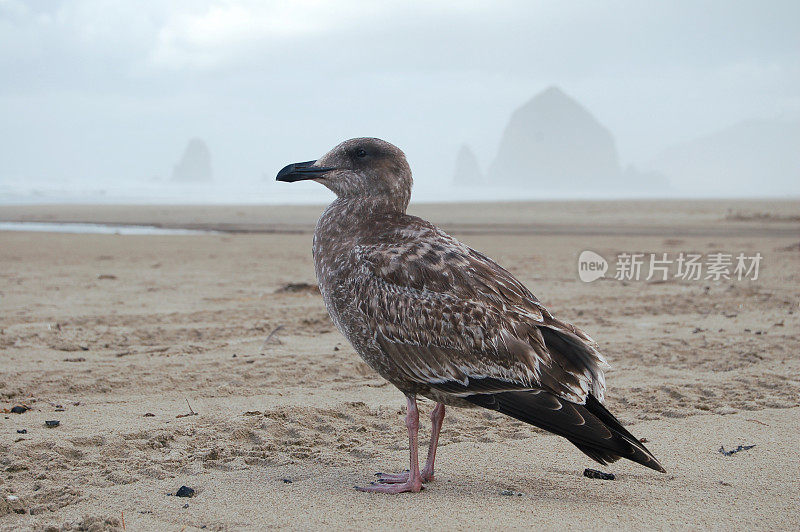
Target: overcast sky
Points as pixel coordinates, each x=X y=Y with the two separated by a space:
x=109 y=90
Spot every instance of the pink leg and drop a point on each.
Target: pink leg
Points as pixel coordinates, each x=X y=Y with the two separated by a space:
x=414 y=481
x=437 y=417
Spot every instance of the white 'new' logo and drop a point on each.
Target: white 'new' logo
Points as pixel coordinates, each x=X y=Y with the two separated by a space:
x=591 y=266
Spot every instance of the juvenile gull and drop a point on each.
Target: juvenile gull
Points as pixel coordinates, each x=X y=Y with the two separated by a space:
x=441 y=320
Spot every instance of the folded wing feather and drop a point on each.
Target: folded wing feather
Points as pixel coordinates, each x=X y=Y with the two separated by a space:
x=451 y=318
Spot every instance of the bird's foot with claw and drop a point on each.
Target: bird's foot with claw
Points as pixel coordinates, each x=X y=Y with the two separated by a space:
x=399 y=478
x=393 y=488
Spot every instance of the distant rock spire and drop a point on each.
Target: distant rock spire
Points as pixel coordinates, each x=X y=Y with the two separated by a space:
x=552 y=140
x=468 y=171
x=195 y=165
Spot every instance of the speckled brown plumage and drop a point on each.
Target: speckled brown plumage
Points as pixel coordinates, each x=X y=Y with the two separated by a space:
x=439 y=319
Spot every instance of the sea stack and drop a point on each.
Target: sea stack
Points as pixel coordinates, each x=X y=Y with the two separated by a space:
x=467 y=171
x=553 y=141
x=195 y=165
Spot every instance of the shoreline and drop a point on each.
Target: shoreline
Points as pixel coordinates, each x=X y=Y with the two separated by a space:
x=755 y=218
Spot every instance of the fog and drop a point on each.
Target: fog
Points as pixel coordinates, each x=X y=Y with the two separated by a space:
x=100 y=100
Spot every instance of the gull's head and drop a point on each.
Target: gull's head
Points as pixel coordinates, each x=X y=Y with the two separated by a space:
x=363 y=167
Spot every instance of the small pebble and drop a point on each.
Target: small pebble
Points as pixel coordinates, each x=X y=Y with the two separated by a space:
x=511 y=493
x=594 y=473
x=52 y=423
x=22 y=431
x=19 y=409
x=186 y=505
x=149 y=414
x=185 y=491
x=286 y=480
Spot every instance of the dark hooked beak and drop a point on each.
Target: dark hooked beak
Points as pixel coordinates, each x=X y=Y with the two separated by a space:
x=302 y=171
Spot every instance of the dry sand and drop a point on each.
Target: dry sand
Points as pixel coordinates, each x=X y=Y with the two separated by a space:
x=101 y=331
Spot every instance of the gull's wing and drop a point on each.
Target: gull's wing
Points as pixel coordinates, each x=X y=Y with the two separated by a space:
x=452 y=318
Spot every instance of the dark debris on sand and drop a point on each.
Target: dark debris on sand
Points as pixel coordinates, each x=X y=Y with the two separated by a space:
x=594 y=473
x=723 y=452
x=298 y=288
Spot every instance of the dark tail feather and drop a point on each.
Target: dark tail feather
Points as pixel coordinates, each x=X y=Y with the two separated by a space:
x=590 y=427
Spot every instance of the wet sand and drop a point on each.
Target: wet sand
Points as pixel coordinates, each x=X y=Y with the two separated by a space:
x=100 y=331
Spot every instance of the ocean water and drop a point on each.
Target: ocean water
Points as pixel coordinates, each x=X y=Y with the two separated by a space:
x=19 y=192
x=266 y=192
x=98 y=229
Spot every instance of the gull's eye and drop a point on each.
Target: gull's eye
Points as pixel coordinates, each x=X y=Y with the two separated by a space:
x=361 y=153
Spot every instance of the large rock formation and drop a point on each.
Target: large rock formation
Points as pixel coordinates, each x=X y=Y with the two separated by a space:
x=467 y=172
x=553 y=142
x=753 y=157
x=195 y=165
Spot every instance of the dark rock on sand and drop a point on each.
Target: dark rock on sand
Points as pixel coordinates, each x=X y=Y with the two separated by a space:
x=185 y=491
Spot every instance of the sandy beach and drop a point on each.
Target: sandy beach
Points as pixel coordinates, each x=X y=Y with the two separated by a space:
x=119 y=337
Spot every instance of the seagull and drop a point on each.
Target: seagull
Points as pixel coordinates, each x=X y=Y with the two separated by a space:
x=440 y=320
